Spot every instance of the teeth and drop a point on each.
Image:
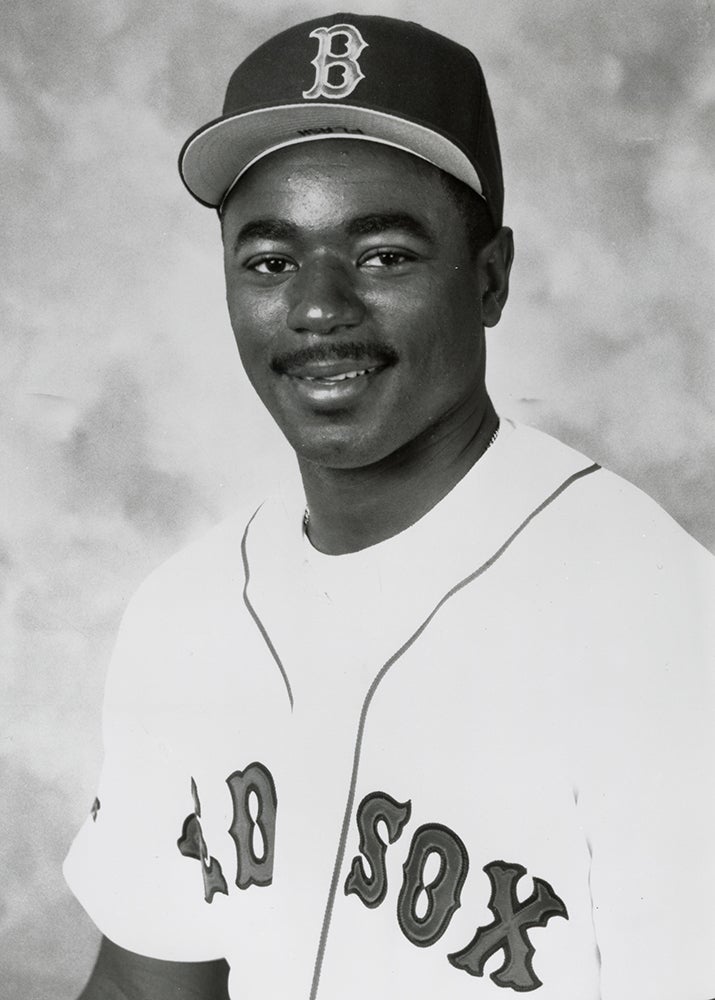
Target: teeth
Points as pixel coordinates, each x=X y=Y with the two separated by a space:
x=337 y=378
x=341 y=378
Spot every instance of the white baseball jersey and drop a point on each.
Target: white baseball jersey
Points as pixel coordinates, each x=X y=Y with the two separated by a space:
x=471 y=761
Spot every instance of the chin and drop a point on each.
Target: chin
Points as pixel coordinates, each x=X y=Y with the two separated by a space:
x=340 y=450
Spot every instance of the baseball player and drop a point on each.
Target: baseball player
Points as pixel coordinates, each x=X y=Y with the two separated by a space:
x=435 y=720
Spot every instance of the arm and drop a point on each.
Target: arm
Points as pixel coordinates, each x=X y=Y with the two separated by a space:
x=124 y=975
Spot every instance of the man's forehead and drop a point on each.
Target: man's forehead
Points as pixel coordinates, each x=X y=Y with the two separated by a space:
x=360 y=187
x=340 y=163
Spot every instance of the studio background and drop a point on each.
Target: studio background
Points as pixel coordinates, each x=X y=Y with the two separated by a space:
x=127 y=424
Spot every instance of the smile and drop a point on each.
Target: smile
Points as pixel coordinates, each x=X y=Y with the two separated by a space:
x=341 y=377
x=333 y=390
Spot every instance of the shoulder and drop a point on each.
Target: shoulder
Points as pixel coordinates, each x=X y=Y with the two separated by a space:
x=598 y=514
x=212 y=561
x=183 y=622
x=629 y=589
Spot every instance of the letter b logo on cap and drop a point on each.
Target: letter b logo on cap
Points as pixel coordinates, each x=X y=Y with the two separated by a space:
x=346 y=61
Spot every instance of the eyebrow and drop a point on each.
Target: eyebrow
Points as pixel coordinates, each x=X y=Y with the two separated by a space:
x=380 y=222
x=265 y=229
x=363 y=225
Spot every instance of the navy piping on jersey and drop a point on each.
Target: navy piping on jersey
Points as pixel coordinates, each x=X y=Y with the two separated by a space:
x=254 y=615
x=374 y=686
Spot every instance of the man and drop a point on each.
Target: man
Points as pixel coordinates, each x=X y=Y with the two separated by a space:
x=433 y=722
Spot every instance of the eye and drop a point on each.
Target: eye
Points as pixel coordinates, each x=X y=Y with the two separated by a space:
x=386 y=258
x=271 y=265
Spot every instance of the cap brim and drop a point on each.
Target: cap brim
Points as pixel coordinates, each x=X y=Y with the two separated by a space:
x=214 y=158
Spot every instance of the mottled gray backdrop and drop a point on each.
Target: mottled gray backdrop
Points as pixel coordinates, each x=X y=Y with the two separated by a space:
x=127 y=426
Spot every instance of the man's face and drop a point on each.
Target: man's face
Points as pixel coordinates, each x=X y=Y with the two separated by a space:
x=354 y=300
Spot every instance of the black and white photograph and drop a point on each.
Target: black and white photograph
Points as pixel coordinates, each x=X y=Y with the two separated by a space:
x=357 y=511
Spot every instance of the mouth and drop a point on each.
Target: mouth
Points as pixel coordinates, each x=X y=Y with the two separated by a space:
x=331 y=377
x=337 y=377
x=327 y=390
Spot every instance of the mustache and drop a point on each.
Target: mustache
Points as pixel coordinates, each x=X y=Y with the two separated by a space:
x=358 y=351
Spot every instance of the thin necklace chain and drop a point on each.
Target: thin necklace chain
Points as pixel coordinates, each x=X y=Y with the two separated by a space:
x=306 y=512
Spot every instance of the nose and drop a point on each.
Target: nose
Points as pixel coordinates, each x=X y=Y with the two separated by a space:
x=323 y=299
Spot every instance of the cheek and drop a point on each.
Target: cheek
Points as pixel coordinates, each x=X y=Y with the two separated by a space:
x=252 y=350
x=461 y=323
x=255 y=322
x=442 y=328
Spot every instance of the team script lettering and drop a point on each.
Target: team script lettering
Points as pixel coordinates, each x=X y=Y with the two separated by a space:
x=253 y=828
x=507 y=933
x=253 y=831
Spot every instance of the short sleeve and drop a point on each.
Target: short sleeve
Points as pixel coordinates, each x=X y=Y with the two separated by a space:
x=649 y=801
x=125 y=866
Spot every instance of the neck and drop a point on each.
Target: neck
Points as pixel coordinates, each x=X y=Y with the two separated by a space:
x=351 y=509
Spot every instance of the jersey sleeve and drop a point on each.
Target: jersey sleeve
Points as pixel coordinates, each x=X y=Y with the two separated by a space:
x=649 y=800
x=125 y=865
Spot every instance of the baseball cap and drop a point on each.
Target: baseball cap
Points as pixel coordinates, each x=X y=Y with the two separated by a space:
x=352 y=76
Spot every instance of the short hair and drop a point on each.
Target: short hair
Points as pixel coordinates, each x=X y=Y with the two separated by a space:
x=473 y=209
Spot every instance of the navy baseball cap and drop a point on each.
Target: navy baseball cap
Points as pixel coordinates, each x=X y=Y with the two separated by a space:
x=352 y=76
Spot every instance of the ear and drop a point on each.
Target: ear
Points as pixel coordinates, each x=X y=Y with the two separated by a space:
x=494 y=265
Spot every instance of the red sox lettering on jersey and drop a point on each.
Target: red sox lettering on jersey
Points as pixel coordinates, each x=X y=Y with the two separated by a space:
x=254 y=799
x=252 y=785
x=327 y=61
